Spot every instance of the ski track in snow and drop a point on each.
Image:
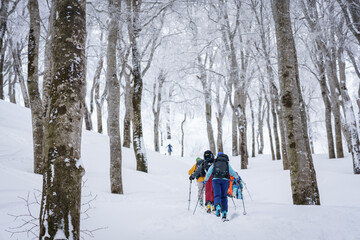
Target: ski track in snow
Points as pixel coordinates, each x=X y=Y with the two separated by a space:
x=155 y=204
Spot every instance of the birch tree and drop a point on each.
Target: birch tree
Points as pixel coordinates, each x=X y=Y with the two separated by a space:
x=63 y=170
x=302 y=172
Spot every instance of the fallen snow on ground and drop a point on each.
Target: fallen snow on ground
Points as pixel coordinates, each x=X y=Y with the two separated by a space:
x=155 y=204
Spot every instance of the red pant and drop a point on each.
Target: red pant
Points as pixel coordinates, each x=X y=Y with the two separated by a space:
x=209 y=192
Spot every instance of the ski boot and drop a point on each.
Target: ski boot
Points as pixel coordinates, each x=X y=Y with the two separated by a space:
x=224 y=216
x=218 y=210
x=208 y=207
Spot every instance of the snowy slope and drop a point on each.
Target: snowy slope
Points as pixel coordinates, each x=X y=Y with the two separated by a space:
x=154 y=205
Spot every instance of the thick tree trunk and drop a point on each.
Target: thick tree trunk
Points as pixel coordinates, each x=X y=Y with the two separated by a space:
x=33 y=85
x=302 y=172
x=63 y=170
x=134 y=30
x=113 y=100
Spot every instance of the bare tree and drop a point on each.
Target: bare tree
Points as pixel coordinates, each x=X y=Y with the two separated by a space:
x=302 y=172
x=311 y=16
x=183 y=135
x=5 y=12
x=113 y=99
x=156 y=106
x=16 y=53
x=134 y=28
x=33 y=85
x=63 y=170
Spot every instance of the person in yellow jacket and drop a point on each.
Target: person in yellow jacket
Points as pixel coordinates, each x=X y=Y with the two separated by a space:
x=200 y=181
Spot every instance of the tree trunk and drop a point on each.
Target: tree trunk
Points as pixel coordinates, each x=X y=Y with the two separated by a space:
x=87 y=118
x=18 y=72
x=63 y=170
x=113 y=99
x=350 y=118
x=331 y=71
x=128 y=111
x=261 y=113
x=328 y=120
x=12 y=88
x=311 y=16
x=182 y=136
x=95 y=93
x=156 y=107
x=168 y=120
x=252 y=128
x=286 y=164
x=234 y=137
x=33 y=85
x=302 y=172
x=134 y=7
x=270 y=132
x=3 y=22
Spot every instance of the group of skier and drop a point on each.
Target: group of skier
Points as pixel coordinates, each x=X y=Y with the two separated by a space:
x=214 y=175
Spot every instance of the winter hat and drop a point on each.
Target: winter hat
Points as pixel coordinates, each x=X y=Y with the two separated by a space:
x=198 y=159
x=219 y=153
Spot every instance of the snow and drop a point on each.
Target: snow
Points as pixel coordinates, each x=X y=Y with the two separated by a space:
x=154 y=205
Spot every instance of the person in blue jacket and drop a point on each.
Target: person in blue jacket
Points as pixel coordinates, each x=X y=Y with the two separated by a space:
x=221 y=171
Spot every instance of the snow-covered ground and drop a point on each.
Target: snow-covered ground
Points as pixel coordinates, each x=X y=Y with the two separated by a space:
x=155 y=205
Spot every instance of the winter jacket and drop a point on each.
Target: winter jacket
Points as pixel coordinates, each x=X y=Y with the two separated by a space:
x=210 y=171
x=194 y=169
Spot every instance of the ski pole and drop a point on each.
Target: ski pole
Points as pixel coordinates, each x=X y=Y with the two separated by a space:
x=233 y=203
x=189 y=195
x=242 y=198
x=247 y=190
x=199 y=198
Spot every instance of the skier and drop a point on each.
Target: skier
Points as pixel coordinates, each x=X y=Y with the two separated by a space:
x=221 y=171
x=200 y=180
x=201 y=171
x=169 y=148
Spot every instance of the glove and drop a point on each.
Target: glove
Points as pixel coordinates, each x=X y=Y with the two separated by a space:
x=191 y=177
x=205 y=182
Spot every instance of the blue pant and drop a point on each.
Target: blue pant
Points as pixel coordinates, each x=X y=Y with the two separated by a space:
x=220 y=193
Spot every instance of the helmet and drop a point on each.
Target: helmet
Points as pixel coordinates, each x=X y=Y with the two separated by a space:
x=198 y=159
x=208 y=155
